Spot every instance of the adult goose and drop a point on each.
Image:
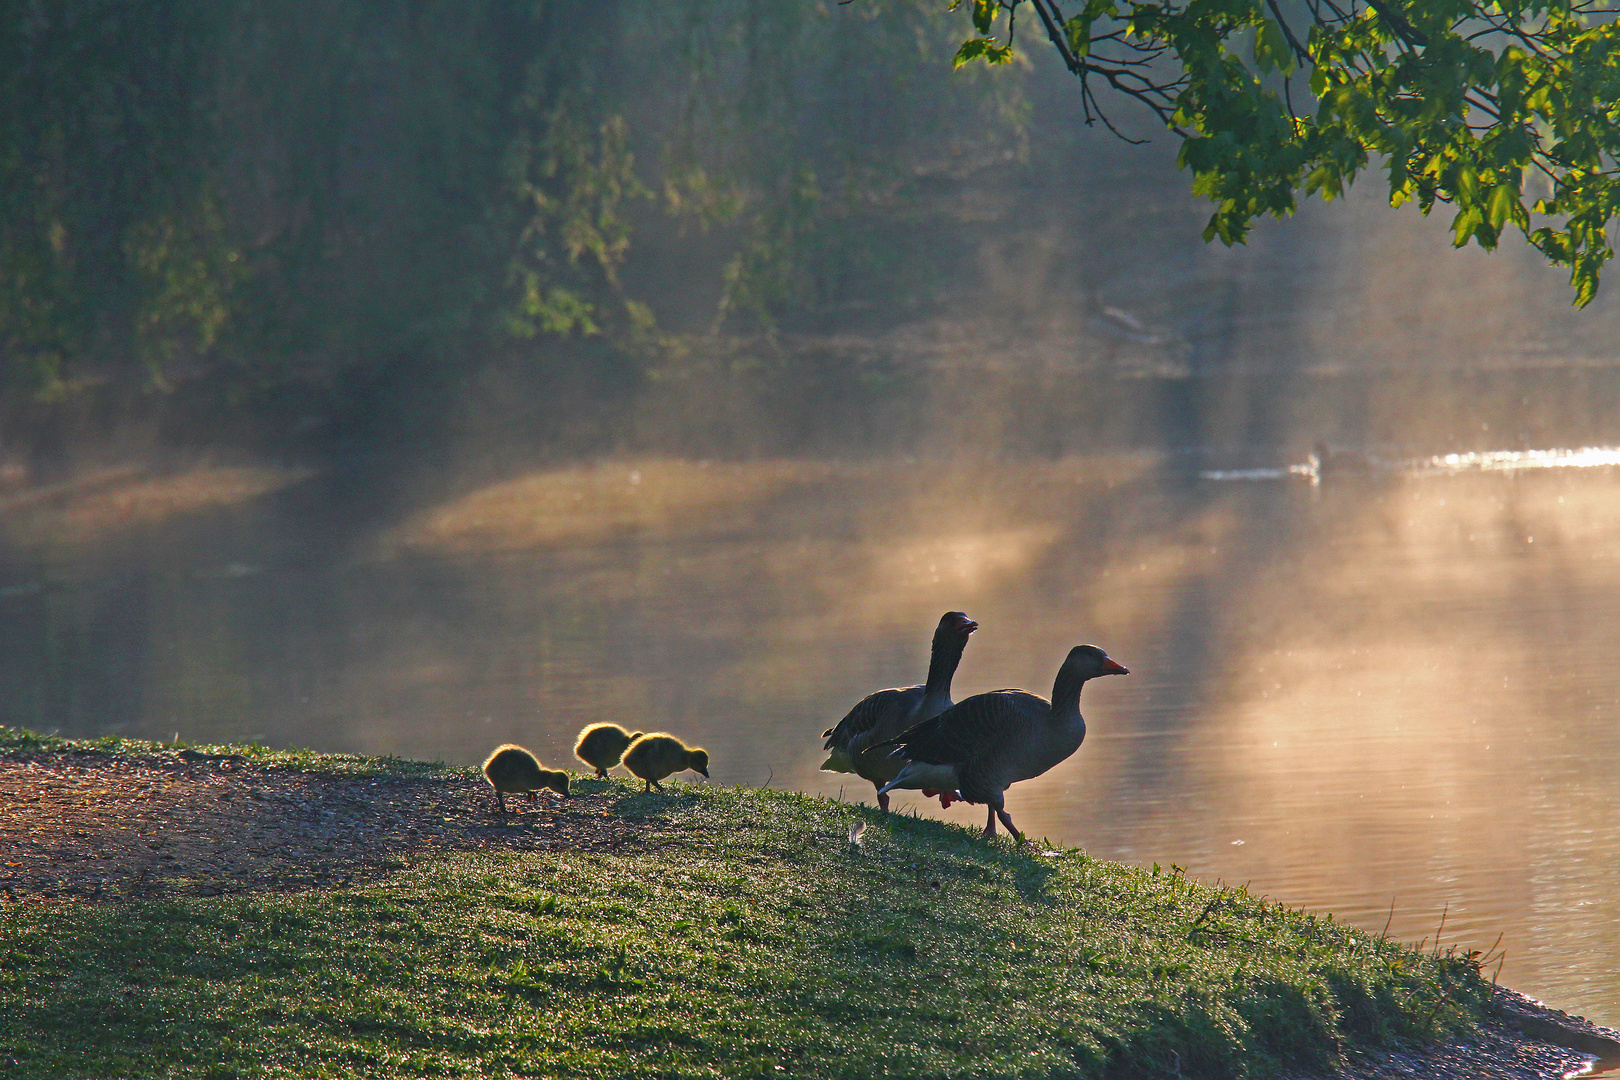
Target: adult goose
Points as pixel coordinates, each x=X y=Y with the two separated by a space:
x=985 y=744
x=885 y=714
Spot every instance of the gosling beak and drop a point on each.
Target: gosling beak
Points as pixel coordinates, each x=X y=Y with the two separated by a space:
x=705 y=773
x=1113 y=667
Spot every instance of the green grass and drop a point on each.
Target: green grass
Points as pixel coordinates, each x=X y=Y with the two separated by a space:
x=748 y=939
x=355 y=765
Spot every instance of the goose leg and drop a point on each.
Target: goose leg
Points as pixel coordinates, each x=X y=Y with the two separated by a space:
x=990 y=824
x=883 y=800
x=1006 y=819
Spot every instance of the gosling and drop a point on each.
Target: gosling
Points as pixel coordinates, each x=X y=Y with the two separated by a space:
x=602 y=746
x=658 y=756
x=513 y=769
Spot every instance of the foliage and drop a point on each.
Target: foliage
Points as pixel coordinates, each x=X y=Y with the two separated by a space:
x=216 y=191
x=1505 y=109
x=822 y=134
x=749 y=938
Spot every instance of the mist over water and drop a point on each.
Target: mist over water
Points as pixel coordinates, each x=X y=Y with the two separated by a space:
x=1390 y=694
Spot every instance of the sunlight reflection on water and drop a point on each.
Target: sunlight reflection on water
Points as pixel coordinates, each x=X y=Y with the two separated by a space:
x=1313 y=468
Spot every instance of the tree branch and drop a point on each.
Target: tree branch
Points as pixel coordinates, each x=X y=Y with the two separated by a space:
x=1156 y=96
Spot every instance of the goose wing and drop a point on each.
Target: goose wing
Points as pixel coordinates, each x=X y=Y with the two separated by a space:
x=971 y=730
x=871 y=716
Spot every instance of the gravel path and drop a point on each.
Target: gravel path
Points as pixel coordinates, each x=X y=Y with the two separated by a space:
x=93 y=826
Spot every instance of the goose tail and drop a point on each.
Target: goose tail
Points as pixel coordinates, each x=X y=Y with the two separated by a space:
x=838 y=761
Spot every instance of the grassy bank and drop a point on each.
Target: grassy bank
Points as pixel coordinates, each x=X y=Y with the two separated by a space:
x=739 y=934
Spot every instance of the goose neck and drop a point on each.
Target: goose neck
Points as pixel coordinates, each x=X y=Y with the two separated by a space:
x=942 y=661
x=1066 y=694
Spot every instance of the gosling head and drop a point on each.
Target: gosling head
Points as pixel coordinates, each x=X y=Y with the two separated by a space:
x=555 y=780
x=698 y=760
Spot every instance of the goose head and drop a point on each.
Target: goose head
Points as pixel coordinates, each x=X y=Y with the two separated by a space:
x=1089 y=662
x=954 y=625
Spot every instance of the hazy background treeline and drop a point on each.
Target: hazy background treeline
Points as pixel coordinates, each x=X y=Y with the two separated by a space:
x=736 y=227
x=298 y=217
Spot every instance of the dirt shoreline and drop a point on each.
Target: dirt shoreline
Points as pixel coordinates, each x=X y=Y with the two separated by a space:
x=1524 y=1040
x=85 y=825
x=82 y=825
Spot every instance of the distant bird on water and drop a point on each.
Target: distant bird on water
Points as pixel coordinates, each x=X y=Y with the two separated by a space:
x=885 y=714
x=602 y=746
x=512 y=769
x=985 y=744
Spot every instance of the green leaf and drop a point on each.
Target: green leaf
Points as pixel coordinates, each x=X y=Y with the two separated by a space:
x=1503 y=206
x=1467 y=184
x=1465 y=225
x=1077 y=31
x=1271 y=48
x=984 y=14
x=990 y=50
